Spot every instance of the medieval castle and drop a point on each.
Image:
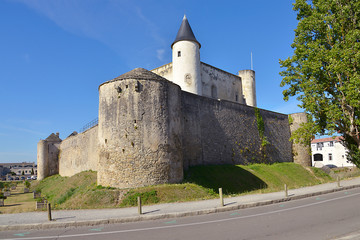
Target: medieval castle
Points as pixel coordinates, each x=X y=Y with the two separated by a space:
x=153 y=125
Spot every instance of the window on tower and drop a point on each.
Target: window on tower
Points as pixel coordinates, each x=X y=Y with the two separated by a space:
x=179 y=53
x=213 y=91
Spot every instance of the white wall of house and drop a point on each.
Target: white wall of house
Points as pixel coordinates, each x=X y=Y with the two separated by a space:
x=332 y=151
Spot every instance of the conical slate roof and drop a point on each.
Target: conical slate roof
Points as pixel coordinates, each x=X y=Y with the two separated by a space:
x=185 y=33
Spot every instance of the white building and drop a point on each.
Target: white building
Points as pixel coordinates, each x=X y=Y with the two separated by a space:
x=330 y=152
x=194 y=76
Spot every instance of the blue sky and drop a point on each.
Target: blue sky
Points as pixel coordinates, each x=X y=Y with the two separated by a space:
x=54 y=55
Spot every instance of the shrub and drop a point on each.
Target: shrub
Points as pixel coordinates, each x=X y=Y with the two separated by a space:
x=2 y=196
x=27 y=184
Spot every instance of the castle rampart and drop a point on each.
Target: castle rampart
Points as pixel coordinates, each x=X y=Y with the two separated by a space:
x=79 y=153
x=224 y=132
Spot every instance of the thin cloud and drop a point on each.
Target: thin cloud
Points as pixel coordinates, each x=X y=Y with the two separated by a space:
x=104 y=21
x=19 y=129
x=153 y=28
x=160 y=54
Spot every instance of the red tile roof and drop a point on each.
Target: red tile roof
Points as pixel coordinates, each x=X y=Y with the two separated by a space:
x=328 y=139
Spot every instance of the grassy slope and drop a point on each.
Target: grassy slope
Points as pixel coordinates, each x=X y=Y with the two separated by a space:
x=18 y=201
x=202 y=182
x=78 y=191
x=255 y=178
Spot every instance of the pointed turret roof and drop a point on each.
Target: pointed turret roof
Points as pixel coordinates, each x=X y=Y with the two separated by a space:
x=185 y=33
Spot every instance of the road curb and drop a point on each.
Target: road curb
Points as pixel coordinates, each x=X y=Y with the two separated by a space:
x=227 y=207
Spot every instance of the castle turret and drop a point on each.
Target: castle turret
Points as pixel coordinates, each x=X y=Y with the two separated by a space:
x=140 y=131
x=48 y=156
x=186 y=60
x=248 y=86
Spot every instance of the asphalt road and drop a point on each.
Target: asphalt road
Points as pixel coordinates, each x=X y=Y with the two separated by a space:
x=330 y=216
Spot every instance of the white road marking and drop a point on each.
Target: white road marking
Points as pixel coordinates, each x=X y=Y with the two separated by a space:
x=186 y=224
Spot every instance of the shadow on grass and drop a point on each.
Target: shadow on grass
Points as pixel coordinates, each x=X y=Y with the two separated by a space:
x=19 y=193
x=231 y=178
x=11 y=205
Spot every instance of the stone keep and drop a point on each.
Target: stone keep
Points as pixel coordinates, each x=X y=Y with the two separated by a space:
x=139 y=131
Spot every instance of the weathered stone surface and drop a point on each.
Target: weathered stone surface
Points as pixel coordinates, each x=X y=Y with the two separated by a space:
x=79 y=153
x=48 y=156
x=301 y=153
x=223 y=132
x=139 y=131
x=36 y=195
x=149 y=131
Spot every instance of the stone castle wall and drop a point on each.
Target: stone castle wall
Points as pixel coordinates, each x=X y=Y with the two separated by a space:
x=79 y=153
x=224 y=132
x=149 y=131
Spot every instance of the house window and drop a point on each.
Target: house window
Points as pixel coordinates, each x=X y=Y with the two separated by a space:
x=331 y=144
x=319 y=146
x=236 y=98
x=318 y=157
x=330 y=156
x=179 y=53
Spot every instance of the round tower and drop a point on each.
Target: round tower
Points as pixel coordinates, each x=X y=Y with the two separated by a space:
x=301 y=152
x=42 y=160
x=186 y=60
x=140 y=131
x=248 y=86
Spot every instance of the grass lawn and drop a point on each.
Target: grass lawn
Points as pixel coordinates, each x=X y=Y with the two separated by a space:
x=19 y=201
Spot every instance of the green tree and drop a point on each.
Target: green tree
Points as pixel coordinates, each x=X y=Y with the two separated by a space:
x=32 y=171
x=23 y=173
x=324 y=71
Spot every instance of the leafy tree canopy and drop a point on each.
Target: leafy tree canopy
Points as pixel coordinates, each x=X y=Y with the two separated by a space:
x=324 y=71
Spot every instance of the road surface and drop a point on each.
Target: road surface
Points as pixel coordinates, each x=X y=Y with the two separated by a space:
x=329 y=216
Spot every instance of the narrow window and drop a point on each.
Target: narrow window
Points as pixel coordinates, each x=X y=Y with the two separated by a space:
x=179 y=53
x=213 y=91
x=236 y=98
x=331 y=144
x=330 y=156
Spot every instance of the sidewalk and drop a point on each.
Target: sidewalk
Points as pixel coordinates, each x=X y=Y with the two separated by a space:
x=76 y=218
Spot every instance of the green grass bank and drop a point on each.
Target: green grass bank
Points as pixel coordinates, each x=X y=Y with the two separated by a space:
x=200 y=182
